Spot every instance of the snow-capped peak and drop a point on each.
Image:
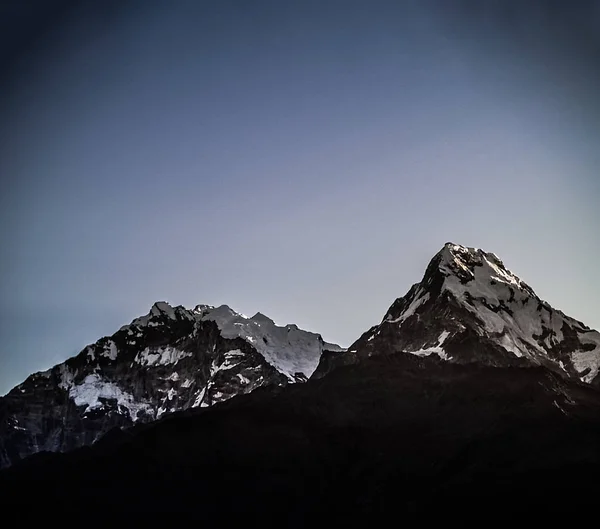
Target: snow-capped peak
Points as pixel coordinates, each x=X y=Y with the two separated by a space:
x=467 y=263
x=467 y=291
x=510 y=309
x=160 y=313
x=200 y=310
x=289 y=349
x=169 y=360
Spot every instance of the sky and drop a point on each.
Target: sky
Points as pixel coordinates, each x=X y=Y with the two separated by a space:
x=302 y=159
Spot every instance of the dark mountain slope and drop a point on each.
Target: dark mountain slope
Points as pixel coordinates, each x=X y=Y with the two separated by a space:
x=393 y=438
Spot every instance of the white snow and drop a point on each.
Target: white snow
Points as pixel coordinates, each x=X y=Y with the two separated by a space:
x=417 y=301
x=93 y=388
x=443 y=337
x=288 y=349
x=217 y=397
x=160 y=308
x=561 y=364
x=515 y=330
x=160 y=356
x=173 y=376
x=503 y=276
x=187 y=383
x=66 y=376
x=436 y=349
x=199 y=398
x=90 y=353
x=243 y=379
x=232 y=359
x=110 y=350
x=583 y=360
x=508 y=342
x=520 y=332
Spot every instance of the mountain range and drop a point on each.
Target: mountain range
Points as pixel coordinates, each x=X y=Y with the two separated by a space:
x=471 y=395
x=171 y=359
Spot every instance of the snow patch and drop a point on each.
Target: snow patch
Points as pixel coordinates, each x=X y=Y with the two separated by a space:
x=243 y=379
x=66 y=377
x=110 y=350
x=411 y=309
x=93 y=388
x=288 y=349
x=437 y=349
x=199 y=398
x=231 y=360
x=508 y=342
x=158 y=310
x=160 y=356
x=583 y=360
x=561 y=364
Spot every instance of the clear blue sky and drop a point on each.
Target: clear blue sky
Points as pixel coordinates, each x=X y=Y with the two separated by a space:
x=304 y=159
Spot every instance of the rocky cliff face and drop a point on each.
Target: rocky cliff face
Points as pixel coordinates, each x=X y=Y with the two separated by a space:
x=470 y=308
x=171 y=359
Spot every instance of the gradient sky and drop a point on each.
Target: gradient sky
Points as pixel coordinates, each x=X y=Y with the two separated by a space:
x=302 y=159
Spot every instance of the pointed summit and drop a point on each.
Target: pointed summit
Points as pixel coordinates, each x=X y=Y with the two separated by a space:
x=470 y=308
x=259 y=317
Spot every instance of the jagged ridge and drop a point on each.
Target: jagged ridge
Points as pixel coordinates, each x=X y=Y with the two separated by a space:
x=168 y=360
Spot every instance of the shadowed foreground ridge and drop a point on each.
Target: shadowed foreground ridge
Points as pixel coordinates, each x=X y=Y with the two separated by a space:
x=471 y=398
x=394 y=434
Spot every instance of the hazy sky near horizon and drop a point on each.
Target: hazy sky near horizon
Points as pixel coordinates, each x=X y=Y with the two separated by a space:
x=302 y=159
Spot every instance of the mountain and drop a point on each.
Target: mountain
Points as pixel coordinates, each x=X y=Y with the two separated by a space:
x=171 y=359
x=472 y=400
x=470 y=308
x=394 y=437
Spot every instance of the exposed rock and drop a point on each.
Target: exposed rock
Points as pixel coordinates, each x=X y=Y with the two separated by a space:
x=171 y=359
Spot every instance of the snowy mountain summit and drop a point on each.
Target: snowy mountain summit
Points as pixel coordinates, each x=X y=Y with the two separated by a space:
x=470 y=308
x=171 y=359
